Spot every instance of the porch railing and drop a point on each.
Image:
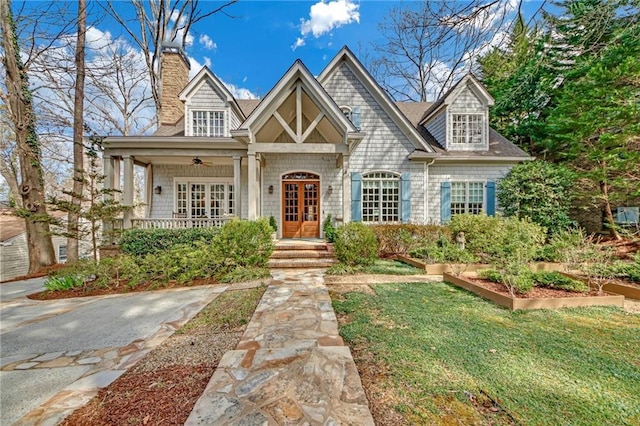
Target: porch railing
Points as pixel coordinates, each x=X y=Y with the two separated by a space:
x=178 y=223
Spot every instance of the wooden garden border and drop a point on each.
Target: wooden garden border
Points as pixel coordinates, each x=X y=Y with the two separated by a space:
x=533 y=303
x=441 y=268
x=624 y=290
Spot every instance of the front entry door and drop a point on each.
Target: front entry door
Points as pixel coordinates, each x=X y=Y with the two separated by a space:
x=300 y=205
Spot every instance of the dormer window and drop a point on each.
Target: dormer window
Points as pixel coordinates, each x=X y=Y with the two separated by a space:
x=208 y=123
x=467 y=129
x=353 y=114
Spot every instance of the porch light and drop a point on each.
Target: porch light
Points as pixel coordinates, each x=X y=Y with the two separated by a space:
x=270 y=189
x=157 y=190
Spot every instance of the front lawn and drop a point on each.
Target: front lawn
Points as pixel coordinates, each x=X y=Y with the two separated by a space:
x=434 y=354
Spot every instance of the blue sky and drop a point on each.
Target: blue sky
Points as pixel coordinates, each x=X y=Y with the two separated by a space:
x=254 y=47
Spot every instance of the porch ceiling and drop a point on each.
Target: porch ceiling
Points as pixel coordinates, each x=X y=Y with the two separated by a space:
x=185 y=160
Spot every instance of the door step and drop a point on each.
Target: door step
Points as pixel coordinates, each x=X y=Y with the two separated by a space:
x=300 y=254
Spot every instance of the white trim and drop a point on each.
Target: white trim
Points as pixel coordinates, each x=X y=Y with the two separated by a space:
x=451 y=146
x=208 y=181
x=225 y=116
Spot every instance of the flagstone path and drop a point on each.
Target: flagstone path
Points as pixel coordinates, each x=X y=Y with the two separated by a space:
x=291 y=366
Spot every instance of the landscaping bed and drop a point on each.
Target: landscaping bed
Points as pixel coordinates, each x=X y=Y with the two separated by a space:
x=440 y=268
x=163 y=387
x=536 y=298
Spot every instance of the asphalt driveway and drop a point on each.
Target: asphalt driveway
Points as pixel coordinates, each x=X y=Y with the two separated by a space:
x=55 y=355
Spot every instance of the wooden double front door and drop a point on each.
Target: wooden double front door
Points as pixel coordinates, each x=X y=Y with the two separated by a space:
x=300 y=205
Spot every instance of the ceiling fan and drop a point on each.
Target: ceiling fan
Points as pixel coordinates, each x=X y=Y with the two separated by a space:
x=198 y=162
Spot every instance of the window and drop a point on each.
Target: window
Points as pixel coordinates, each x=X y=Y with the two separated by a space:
x=62 y=254
x=467 y=197
x=204 y=199
x=380 y=197
x=467 y=129
x=352 y=114
x=208 y=123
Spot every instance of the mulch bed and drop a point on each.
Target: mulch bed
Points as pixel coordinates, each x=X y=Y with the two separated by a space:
x=116 y=288
x=536 y=292
x=38 y=274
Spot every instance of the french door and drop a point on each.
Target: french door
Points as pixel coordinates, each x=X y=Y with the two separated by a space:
x=300 y=205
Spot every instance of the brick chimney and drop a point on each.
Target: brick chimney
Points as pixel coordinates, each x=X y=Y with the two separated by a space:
x=175 y=77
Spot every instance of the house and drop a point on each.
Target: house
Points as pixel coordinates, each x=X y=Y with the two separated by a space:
x=313 y=146
x=14 y=254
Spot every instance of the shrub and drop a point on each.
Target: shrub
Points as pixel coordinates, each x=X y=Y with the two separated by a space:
x=141 y=242
x=244 y=243
x=442 y=251
x=356 y=244
x=562 y=245
x=540 y=191
x=402 y=238
x=64 y=282
x=273 y=224
x=245 y=273
x=491 y=275
x=329 y=230
x=495 y=238
x=558 y=281
x=518 y=279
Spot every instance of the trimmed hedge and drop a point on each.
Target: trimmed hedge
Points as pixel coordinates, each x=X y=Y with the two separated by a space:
x=245 y=243
x=141 y=242
x=402 y=238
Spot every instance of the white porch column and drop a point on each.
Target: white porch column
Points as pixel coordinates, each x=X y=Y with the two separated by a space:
x=253 y=188
x=116 y=179
x=237 y=191
x=127 y=193
x=109 y=178
x=346 y=190
x=148 y=188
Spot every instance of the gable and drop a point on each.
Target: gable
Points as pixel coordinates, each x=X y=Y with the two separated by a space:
x=297 y=110
x=346 y=67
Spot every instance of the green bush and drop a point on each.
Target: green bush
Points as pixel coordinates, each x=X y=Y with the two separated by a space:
x=539 y=191
x=556 y=280
x=628 y=270
x=64 y=282
x=495 y=238
x=562 y=245
x=273 y=224
x=356 y=244
x=402 y=238
x=141 y=242
x=329 y=230
x=491 y=275
x=245 y=273
x=517 y=280
x=442 y=251
x=244 y=243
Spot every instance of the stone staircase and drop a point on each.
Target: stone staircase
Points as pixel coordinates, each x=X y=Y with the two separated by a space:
x=301 y=254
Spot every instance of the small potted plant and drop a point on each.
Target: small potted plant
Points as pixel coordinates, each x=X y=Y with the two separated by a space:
x=274 y=227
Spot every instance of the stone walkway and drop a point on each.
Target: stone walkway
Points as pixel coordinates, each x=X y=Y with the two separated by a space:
x=291 y=366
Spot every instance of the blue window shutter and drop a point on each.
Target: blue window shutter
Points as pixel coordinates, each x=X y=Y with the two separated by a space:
x=356 y=117
x=445 y=202
x=491 y=199
x=356 y=197
x=405 y=194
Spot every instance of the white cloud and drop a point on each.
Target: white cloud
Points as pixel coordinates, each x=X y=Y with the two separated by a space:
x=325 y=16
x=207 y=62
x=299 y=42
x=207 y=43
x=180 y=34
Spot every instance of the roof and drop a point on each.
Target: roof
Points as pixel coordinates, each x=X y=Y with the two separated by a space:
x=11 y=226
x=413 y=110
x=174 y=130
x=248 y=105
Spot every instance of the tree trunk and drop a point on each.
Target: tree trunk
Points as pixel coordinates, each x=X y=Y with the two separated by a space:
x=20 y=105
x=604 y=188
x=73 y=226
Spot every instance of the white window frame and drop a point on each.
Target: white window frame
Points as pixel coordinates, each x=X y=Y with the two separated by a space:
x=66 y=253
x=209 y=123
x=467 y=143
x=467 y=207
x=230 y=204
x=380 y=216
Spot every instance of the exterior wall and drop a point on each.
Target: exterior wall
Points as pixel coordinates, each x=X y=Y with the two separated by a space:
x=14 y=255
x=468 y=103
x=385 y=147
x=162 y=205
x=438 y=127
x=323 y=165
x=207 y=98
x=458 y=173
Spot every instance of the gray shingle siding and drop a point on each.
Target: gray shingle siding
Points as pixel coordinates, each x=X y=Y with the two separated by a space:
x=384 y=147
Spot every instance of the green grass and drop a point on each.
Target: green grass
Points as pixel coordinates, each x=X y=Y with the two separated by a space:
x=227 y=312
x=562 y=367
x=390 y=267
